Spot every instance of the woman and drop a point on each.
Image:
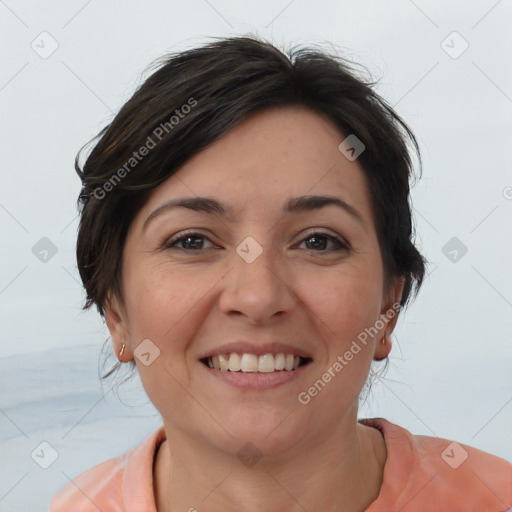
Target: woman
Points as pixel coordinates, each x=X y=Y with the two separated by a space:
x=246 y=234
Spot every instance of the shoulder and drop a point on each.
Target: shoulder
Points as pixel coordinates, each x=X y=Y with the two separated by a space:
x=438 y=474
x=113 y=485
x=93 y=489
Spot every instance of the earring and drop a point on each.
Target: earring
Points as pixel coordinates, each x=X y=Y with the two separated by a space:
x=121 y=351
x=383 y=342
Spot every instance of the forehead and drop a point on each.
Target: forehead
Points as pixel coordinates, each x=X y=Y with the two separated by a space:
x=271 y=156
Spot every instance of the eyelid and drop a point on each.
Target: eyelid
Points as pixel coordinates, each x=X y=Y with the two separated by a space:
x=184 y=234
x=342 y=243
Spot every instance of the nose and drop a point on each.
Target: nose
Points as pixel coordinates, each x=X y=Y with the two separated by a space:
x=258 y=291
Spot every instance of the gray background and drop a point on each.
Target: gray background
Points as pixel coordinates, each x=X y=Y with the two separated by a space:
x=450 y=372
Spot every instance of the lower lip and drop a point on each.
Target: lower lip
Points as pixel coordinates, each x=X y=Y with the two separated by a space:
x=257 y=380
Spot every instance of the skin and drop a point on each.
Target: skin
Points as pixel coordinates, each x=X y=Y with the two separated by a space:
x=315 y=456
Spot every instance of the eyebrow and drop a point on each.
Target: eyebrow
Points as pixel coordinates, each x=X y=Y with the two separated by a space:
x=294 y=205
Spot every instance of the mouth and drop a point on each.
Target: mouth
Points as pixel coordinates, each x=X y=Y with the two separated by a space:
x=252 y=363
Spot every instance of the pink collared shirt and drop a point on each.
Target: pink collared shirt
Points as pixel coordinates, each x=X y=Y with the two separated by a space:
x=421 y=474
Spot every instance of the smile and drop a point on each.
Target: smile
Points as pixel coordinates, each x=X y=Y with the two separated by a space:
x=252 y=363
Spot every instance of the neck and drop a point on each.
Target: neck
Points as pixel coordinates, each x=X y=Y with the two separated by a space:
x=343 y=472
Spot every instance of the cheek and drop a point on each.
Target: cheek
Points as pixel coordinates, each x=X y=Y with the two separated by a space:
x=345 y=301
x=162 y=306
x=163 y=303
x=344 y=313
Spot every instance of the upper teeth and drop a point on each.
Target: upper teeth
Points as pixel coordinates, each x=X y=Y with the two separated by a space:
x=266 y=363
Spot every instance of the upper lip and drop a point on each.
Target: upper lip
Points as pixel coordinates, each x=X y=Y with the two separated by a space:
x=259 y=349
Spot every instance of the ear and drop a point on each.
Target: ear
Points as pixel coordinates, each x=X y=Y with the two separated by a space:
x=115 y=318
x=389 y=315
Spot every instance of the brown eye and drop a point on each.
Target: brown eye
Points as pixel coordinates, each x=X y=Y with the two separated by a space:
x=319 y=242
x=188 y=241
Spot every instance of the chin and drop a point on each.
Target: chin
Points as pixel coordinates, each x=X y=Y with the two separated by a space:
x=272 y=430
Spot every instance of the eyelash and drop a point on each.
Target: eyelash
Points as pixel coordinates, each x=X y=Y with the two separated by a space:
x=172 y=242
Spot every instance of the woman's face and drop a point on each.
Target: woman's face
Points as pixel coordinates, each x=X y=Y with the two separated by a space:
x=254 y=280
